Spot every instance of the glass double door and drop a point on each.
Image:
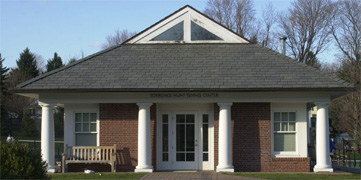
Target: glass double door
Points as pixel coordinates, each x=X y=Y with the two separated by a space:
x=180 y=141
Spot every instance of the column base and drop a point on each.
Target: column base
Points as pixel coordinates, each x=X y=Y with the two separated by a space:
x=225 y=169
x=326 y=169
x=149 y=170
x=51 y=170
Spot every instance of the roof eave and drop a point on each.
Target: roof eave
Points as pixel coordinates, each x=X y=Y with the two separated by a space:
x=39 y=91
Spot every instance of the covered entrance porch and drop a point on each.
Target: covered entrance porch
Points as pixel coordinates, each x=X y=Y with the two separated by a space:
x=198 y=133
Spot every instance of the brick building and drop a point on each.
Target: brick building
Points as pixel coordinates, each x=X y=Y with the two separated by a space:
x=189 y=94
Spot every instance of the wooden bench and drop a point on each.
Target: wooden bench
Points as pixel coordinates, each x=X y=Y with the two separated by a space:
x=89 y=154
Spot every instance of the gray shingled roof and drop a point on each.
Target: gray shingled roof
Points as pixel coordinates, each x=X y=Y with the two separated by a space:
x=186 y=67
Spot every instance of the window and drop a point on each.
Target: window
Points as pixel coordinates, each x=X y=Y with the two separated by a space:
x=174 y=33
x=199 y=33
x=284 y=127
x=185 y=137
x=165 y=137
x=205 y=136
x=85 y=129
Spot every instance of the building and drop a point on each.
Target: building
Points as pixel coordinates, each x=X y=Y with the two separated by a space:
x=189 y=94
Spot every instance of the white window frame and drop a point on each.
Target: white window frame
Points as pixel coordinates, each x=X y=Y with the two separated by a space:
x=284 y=153
x=96 y=132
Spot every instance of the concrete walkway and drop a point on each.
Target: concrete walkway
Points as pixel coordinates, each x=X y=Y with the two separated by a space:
x=193 y=175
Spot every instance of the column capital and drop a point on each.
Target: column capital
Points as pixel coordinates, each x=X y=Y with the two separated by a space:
x=225 y=104
x=45 y=104
x=324 y=103
x=144 y=105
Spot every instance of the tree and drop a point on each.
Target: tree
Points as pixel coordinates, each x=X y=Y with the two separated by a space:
x=25 y=70
x=4 y=119
x=118 y=38
x=28 y=128
x=27 y=64
x=3 y=72
x=16 y=104
x=40 y=63
x=18 y=161
x=346 y=30
x=267 y=35
x=54 y=63
x=59 y=122
x=237 y=15
x=306 y=26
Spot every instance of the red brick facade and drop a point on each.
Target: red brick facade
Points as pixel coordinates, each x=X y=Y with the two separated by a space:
x=119 y=125
x=251 y=132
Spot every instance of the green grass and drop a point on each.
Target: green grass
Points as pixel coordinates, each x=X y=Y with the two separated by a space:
x=97 y=176
x=299 y=176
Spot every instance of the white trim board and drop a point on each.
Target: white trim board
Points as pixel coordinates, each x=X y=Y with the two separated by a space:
x=187 y=14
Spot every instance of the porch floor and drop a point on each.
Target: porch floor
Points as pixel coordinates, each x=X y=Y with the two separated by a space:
x=192 y=175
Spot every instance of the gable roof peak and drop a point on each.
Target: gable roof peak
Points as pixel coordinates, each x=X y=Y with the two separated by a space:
x=186 y=25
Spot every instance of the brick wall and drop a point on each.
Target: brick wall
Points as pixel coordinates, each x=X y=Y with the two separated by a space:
x=251 y=132
x=119 y=125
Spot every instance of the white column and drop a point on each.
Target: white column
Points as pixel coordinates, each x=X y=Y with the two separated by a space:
x=322 y=140
x=47 y=136
x=144 y=156
x=225 y=139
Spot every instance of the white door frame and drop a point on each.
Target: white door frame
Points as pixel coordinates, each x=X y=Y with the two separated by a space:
x=172 y=110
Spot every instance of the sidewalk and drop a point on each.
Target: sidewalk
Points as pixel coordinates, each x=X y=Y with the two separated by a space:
x=193 y=175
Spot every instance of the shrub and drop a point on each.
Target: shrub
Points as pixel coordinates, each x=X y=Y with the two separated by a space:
x=18 y=161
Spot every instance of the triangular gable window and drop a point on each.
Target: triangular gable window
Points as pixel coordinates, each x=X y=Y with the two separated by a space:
x=186 y=25
x=199 y=33
x=175 y=33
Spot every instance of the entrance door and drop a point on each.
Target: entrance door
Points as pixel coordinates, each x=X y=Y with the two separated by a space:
x=183 y=141
x=186 y=150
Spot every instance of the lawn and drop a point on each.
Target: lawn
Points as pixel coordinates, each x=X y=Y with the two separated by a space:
x=299 y=176
x=97 y=176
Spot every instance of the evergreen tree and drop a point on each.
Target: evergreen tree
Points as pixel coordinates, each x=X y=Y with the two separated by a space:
x=3 y=71
x=26 y=69
x=72 y=60
x=28 y=127
x=54 y=63
x=4 y=120
x=18 y=161
x=59 y=122
x=27 y=65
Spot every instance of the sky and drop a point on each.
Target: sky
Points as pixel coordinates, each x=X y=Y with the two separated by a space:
x=70 y=27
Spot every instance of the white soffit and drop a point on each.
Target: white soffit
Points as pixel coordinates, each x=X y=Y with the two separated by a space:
x=187 y=14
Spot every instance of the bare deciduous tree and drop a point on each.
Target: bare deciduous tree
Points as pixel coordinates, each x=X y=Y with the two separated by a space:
x=267 y=35
x=237 y=15
x=118 y=38
x=15 y=104
x=245 y=17
x=306 y=26
x=346 y=30
x=40 y=62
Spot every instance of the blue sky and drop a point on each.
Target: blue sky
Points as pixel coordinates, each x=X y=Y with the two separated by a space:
x=71 y=26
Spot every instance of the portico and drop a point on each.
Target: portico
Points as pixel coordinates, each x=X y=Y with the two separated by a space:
x=170 y=106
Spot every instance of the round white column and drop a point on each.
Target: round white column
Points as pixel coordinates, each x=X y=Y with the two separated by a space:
x=322 y=140
x=47 y=136
x=144 y=149
x=225 y=139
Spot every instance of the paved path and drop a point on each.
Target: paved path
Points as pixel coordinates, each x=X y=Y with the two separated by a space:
x=197 y=175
